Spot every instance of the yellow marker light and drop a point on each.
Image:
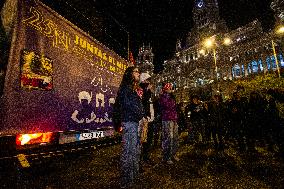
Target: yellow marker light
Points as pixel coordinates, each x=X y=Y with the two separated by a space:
x=23 y=160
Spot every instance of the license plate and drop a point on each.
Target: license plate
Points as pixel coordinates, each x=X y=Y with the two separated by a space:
x=91 y=135
x=67 y=138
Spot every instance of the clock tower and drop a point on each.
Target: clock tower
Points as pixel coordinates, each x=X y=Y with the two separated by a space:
x=207 y=21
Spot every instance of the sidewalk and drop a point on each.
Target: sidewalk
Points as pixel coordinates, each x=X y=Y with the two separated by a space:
x=199 y=167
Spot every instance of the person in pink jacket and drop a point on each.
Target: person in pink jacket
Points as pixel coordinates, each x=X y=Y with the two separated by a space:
x=169 y=124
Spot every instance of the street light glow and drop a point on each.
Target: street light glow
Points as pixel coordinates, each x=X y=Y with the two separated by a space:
x=209 y=42
x=280 y=30
x=227 y=41
x=202 y=51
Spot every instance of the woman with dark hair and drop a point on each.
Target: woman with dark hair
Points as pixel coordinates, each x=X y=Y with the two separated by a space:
x=131 y=112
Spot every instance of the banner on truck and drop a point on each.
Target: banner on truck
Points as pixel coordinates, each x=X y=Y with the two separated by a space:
x=58 y=77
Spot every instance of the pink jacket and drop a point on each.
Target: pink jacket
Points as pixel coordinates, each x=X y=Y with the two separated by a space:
x=168 y=107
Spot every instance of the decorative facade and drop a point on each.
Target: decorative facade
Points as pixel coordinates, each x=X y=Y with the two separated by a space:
x=248 y=51
x=278 y=7
x=145 y=59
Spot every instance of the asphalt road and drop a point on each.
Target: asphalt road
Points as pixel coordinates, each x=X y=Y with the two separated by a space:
x=199 y=167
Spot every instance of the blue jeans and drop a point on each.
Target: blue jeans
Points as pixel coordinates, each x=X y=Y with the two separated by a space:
x=130 y=153
x=169 y=139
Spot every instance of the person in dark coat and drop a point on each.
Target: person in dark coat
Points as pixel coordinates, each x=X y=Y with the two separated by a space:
x=237 y=120
x=197 y=119
x=181 y=117
x=272 y=125
x=130 y=105
x=256 y=115
x=217 y=119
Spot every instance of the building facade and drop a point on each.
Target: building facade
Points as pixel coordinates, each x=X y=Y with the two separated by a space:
x=236 y=54
x=278 y=7
x=145 y=59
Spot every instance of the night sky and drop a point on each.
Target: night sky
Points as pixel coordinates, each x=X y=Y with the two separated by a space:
x=158 y=22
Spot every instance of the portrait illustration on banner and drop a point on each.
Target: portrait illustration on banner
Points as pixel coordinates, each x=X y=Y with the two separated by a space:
x=36 y=71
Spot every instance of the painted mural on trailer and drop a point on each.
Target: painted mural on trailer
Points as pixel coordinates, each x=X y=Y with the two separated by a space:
x=94 y=108
x=36 y=71
x=58 y=77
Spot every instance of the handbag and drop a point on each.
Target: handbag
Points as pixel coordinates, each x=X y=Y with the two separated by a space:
x=143 y=124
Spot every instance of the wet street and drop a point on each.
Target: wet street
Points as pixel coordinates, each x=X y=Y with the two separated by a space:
x=199 y=167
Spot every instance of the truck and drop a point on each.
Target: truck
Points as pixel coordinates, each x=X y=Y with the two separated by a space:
x=58 y=84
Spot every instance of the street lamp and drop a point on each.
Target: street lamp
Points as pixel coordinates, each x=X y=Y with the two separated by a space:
x=228 y=41
x=202 y=51
x=211 y=43
x=275 y=57
x=279 y=31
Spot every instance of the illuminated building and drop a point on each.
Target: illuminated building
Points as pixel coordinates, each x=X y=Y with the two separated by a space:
x=248 y=51
x=278 y=7
x=145 y=59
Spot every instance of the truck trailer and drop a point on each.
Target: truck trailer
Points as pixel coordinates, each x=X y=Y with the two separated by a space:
x=58 y=84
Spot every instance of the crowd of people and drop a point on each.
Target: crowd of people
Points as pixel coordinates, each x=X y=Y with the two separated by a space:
x=242 y=122
x=147 y=121
x=137 y=113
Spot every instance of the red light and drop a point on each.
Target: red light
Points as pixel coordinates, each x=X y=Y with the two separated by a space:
x=35 y=138
x=120 y=129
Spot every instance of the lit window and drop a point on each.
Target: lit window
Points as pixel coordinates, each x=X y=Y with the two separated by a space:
x=260 y=65
x=281 y=60
x=254 y=66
